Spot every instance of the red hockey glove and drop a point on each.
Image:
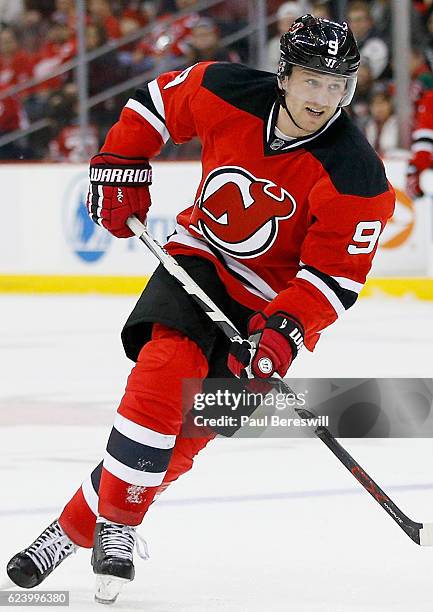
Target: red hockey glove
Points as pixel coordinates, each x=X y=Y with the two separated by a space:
x=119 y=188
x=413 y=189
x=277 y=339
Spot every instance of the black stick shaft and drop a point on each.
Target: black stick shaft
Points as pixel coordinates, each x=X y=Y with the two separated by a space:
x=404 y=522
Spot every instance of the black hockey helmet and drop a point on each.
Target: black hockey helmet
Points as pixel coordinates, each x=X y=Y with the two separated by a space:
x=321 y=45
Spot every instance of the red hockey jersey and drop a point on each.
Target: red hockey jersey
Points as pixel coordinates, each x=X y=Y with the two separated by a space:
x=290 y=225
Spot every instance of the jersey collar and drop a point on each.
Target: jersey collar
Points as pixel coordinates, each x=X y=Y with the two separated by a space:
x=274 y=145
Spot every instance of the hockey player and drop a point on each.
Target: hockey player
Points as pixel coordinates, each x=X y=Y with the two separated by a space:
x=281 y=235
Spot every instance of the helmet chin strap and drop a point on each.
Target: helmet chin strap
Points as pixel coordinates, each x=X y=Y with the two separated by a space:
x=282 y=100
x=291 y=117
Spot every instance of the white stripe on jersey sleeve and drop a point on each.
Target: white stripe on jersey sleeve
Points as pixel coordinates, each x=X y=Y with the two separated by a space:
x=324 y=289
x=155 y=94
x=131 y=476
x=150 y=117
x=143 y=435
x=348 y=283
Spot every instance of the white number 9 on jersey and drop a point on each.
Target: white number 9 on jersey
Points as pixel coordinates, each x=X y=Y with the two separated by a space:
x=180 y=77
x=369 y=239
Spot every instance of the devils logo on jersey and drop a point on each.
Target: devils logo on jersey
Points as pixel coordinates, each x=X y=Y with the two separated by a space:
x=239 y=213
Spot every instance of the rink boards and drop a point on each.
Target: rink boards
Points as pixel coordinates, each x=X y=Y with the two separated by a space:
x=52 y=246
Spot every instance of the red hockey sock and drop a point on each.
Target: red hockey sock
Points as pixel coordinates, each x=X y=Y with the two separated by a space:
x=78 y=521
x=149 y=419
x=79 y=515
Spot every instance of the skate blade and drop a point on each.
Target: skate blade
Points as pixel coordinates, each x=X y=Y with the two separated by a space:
x=108 y=588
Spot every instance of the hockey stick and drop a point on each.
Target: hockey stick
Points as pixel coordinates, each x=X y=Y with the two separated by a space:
x=420 y=533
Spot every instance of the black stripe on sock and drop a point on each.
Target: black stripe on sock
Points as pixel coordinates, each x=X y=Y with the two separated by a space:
x=95 y=477
x=138 y=456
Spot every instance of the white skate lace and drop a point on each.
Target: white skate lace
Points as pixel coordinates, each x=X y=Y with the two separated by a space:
x=119 y=540
x=51 y=547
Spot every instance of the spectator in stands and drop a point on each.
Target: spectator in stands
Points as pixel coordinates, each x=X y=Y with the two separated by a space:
x=15 y=64
x=128 y=25
x=422 y=145
x=232 y=16
x=421 y=78
x=143 y=58
x=45 y=7
x=429 y=42
x=105 y=70
x=204 y=44
x=371 y=47
x=360 y=106
x=420 y=73
x=286 y=15
x=126 y=53
x=142 y=12
x=421 y=6
x=169 y=36
x=32 y=28
x=10 y=11
x=321 y=8
x=381 y=12
x=66 y=141
x=101 y=13
x=59 y=48
x=65 y=13
x=185 y=5
x=381 y=128
x=12 y=117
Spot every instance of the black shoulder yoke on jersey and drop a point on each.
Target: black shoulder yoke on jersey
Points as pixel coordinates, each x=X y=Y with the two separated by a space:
x=252 y=91
x=350 y=161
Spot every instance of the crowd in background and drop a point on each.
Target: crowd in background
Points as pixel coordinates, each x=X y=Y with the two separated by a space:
x=39 y=36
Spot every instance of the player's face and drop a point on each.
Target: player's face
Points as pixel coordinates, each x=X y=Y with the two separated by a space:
x=312 y=97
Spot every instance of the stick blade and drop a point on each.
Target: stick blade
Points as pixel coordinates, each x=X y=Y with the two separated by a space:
x=426 y=534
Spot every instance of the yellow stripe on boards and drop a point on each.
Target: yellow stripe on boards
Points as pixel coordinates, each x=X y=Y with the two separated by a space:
x=116 y=285
x=421 y=288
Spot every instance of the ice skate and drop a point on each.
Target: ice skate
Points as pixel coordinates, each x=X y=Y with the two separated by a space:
x=32 y=565
x=112 y=559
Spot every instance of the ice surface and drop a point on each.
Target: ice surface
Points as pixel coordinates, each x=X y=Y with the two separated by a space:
x=257 y=525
